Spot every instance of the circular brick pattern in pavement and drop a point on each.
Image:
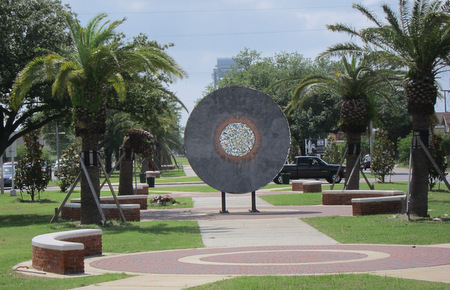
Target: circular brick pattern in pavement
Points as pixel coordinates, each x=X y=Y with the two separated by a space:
x=278 y=260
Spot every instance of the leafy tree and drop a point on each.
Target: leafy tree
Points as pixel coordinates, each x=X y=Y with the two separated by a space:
x=29 y=175
x=69 y=165
x=117 y=124
x=417 y=38
x=438 y=154
x=383 y=162
x=321 y=113
x=404 y=148
x=27 y=28
x=333 y=154
x=357 y=85
x=95 y=66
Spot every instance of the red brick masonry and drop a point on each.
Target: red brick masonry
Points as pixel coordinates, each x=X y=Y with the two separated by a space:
x=306 y=185
x=344 y=197
x=123 y=199
x=379 y=205
x=132 y=213
x=64 y=252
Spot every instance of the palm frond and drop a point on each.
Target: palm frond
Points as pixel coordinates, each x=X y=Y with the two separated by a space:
x=33 y=73
x=66 y=75
x=118 y=83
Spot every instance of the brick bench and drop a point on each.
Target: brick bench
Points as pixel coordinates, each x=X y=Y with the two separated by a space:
x=297 y=184
x=64 y=252
x=344 y=197
x=379 y=205
x=140 y=189
x=132 y=213
x=312 y=186
x=123 y=199
x=156 y=174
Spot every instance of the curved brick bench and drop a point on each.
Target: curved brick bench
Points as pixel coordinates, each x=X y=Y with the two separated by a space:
x=132 y=213
x=312 y=186
x=64 y=252
x=379 y=205
x=344 y=197
x=123 y=199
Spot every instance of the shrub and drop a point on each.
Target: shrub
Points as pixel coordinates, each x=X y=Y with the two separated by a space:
x=382 y=156
x=29 y=174
x=404 y=148
x=69 y=166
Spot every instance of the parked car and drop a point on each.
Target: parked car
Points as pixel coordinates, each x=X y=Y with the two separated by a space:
x=311 y=167
x=7 y=175
x=366 y=162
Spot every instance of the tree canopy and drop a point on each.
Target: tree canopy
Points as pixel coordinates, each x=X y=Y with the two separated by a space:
x=28 y=29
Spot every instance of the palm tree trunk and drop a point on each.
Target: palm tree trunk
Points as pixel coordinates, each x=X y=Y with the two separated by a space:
x=418 y=200
x=126 y=174
x=89 y=211
x=354 y=148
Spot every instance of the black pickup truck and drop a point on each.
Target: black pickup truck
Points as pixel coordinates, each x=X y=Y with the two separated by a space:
x=311 y=167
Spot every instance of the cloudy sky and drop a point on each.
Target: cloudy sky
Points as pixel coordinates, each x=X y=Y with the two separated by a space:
x=203 y=30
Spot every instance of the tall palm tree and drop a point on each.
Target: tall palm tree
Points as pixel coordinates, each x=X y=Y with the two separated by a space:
x=358 y=85
x=417 y=38
x=96 y=64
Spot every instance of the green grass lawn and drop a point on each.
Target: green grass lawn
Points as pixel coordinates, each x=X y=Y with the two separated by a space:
x=312 y=198
x=339 y=281
x=183 y=202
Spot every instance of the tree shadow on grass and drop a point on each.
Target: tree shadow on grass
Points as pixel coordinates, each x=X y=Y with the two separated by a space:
x=159 y=228
x=24 y=220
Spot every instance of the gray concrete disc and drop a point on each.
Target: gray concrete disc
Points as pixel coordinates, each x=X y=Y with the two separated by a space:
x=237 y=139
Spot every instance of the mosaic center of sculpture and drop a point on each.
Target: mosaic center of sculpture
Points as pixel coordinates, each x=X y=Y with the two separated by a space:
x=237 y=139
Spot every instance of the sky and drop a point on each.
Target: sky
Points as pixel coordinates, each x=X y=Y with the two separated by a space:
x=204 y=30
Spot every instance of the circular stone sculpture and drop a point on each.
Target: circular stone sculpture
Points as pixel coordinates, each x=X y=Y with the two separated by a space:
x=237 y=139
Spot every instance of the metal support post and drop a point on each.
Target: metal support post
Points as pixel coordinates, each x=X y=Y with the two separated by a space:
x=254 y=202
x=224 y=207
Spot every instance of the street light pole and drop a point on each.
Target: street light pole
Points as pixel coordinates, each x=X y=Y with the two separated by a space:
x=57 y=147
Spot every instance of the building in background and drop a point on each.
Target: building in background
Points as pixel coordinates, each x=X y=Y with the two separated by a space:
x=224 y=66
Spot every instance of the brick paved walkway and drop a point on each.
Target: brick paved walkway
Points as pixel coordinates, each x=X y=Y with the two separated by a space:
x=270 y=259
x=275 y=260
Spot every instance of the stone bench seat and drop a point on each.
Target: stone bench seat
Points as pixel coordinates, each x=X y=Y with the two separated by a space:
x=131 y=212
x=64 y=252
x=344 y=197
x=379 y=205
x=140 y=199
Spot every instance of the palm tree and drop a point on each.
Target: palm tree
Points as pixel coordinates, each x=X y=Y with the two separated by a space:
x=417 y=38
x=357 y=85
x=136 y=141
x=96 y=64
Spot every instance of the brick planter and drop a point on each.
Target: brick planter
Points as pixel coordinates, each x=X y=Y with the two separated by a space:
x=64 y=252
x=379 y=205
x=344 y=197
x=132 y=213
